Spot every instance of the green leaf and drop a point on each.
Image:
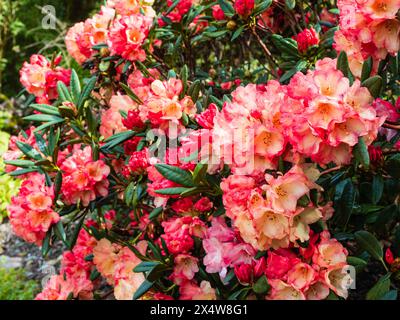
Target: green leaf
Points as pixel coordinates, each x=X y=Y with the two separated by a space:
x=28 y=150
x=345 y=196
x=44 y=108
x=63 y=92
x=343 y=65
x=48 y=124
x=175 y=174
x=356 y=262
x=380 y=289
x=117 y=139
x=377 y=188
x=285 y=45
x=131 y=94
x=46 y=244
x=390 y=295
x=374 y=85
x=237 y=33
x=369 y=243
x=94 y=274
x=75 y=85
x=261 y=286
x=43 y=118
x=17 y=173
x=361 y=152
x=261 y=7
x=172 y=191
x=75 y=235
x=290 y=4
x=20 y=163
x=226 y=7
x=194 y=90
x=146 y=266
x=87 y=91
x=60 y=232
x=199 y=172
x=155 y=213
x=366 y=69
x=239 y=295
x=393 y=165
x=144 y=287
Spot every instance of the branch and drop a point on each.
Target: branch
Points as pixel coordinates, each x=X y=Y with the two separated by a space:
x=331 y=170
x=267 y=52
x=391 y=126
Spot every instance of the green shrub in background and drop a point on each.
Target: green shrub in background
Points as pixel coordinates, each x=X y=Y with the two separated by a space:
x=14 y=285
x=8 y=185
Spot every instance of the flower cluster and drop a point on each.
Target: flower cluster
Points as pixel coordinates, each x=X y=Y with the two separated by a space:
x=40 y=77
x=83 y=179
x=116 y=264
x=317 y=115
x=274 y=220
x=368 y=28
x=213 y=154
x=74 y=278
x=125 y=35
x=176 y=14
x=312 y=273
x=32 y=212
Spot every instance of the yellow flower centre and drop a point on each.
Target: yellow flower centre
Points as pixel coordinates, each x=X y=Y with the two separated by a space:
x=280 y=192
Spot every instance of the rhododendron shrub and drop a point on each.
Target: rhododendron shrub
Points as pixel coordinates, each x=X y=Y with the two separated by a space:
x=217 y=150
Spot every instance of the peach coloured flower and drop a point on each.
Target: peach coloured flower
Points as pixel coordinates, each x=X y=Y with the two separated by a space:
x=381 y=9
x=31 y=211
x=129 y=7
x=186 y=266
x=329 y=252
x=317 y=291
x=284 y=192
x=127 y=35
x=301 y=276
x=40 y=77
x=83 y=178
x=56 y=289
x=111 y=119
x=301 y=221
x=83 y=36
x=191 y=291
x=283 y=291
x=338 y=279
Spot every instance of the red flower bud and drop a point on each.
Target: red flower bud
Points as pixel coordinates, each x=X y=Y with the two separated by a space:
x=244 y=7
x=389 y=256
x=133 y=121
x=375 y=154
x=306 y=39
x=244 y=273
x=259 y=267
x=218 y=13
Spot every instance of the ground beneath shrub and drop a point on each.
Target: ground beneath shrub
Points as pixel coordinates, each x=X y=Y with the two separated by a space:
x=16 y=253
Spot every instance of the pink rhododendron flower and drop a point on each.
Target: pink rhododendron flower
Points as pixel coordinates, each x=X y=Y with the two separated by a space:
x=368 y=28
x=306 y=39
x=83 y=178
x=127 y=35
x=186 y=266
x=218 y=13
x=40 y=77
x=191 y=291
x=31 y=211
x=83 y=36
x=244 y=7
x=116 y=264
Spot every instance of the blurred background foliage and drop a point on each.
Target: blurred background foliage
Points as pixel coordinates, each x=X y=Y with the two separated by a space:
x=22 y=34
